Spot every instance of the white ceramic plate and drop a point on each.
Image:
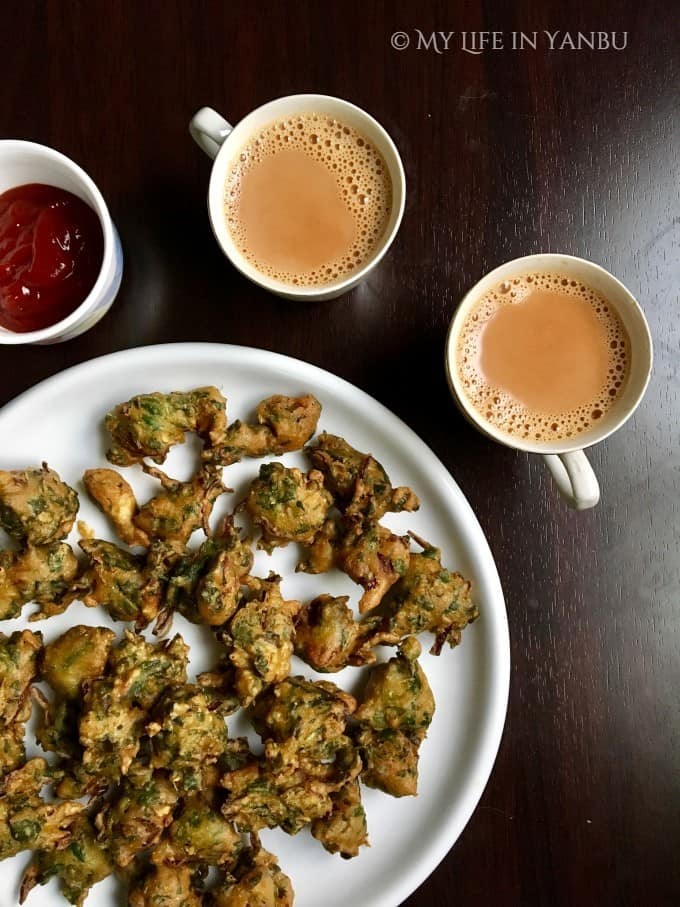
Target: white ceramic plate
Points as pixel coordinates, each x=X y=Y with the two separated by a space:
x=60 y=421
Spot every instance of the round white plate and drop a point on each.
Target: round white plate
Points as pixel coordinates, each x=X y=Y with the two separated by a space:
x=60 y=421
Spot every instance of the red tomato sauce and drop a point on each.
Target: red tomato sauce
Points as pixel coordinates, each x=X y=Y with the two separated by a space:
x=51 y=251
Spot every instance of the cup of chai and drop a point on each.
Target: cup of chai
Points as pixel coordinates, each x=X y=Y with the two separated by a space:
x=306 y=193
x=550 y=354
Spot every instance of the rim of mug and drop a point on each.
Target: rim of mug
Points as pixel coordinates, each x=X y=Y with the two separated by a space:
x=215 y=200
x=547 y=447
x=102 y=212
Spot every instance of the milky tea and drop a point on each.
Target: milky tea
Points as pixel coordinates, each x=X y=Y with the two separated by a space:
x=543 y=357
x=308 y=200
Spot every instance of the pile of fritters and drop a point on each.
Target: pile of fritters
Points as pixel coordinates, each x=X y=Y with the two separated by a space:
x=146 y=781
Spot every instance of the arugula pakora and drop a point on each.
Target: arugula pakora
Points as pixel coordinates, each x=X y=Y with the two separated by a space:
x=287 y=505
x=428 y=597
x=259 y=638
x=359 y=483
x=326 y=634
x=42 y=574
x=257 y=881
x=148 y=425
x=116 y=498
x=283 y=424
x=185 y=733
x=199 y=835
x=36 y=506
x=303 y=724
x=173 y=515
x=369 y=553
x=18 y=669
x=394 y=714
x=27 y=822
x=343 y=830
x=78 y=655
x=205 y=584
x=166 y=793
x=72 y=660
x=78 y=867
x=141 y=809
x=165 y=886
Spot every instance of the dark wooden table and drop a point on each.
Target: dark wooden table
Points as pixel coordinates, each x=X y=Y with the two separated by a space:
x=507 y=152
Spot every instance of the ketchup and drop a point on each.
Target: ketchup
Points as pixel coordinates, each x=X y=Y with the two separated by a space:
x=51 y=251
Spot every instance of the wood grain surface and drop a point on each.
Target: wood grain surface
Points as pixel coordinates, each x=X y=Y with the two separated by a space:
x=506 y=152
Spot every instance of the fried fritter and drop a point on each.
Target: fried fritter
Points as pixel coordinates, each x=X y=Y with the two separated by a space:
x=344 y=829
x=110 y=721
x=390 y=761
x=219 y=687
x=26 y=820
x=205 y=584
x=42 y=574
x=110 y=729
x=398 y=695
x=303 y=723
x=283 y=424
x=141 y=670
x=308 y=757
x=78 y=866
x=199 y=834
x=114 y=709
x=367 y=552
x=18 y=669
x=259 y=797
x=36 y=506
x=165 y=886
x=184 y=733
x=358 y=482
x=181 y=508
x=375 y=558
x=320 y=554
x=77 y=655
x=326 y=634
x=287 y=505
x=113 y=579
x=173 y=515
x=161 y=559
x=257 y=882
x=260 y=638
x=428 y=597
x=217 y=593
x=57 y=731
x=395 y=713
x=292 y=420
x=138 y=814
x=117 y=500
x=150 y=424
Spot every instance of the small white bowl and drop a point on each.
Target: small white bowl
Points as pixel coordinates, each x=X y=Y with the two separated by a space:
x=27 y=162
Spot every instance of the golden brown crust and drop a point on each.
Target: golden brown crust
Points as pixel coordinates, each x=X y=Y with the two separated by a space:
x=170 y=794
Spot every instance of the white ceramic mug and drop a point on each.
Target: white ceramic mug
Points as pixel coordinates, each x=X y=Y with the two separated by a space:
x=565 y=459
x=224 y=142
x=27 y=162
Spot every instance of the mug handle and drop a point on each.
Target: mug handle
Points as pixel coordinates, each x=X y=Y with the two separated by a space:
x=209 y=130
x=574 y=478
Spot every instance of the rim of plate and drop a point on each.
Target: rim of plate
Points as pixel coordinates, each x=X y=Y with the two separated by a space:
x=493 y=718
